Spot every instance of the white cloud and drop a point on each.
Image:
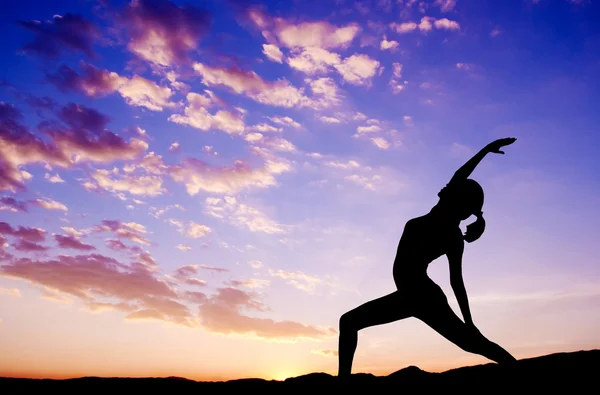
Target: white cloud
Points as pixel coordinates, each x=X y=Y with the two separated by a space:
x=242 y=215
x=358 y=69
x=53 y=178
x=391 y=45
x=286 y=121
x=381 y=143
x=272 y=52
x=196 y=115
x=327 y=119
x=368 y=129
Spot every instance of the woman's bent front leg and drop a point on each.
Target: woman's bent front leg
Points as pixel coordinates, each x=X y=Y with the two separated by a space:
x=440 y=317
x=380 y=311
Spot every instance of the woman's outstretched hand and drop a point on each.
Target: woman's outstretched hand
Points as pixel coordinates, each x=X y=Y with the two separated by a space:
x=494 y=146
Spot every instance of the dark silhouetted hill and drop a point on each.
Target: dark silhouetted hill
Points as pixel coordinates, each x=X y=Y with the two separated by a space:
x=575 y=372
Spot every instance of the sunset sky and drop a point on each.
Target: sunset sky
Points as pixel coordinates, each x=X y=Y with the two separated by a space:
x=201 y=189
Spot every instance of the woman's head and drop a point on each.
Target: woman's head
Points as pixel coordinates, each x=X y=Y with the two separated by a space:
x=465 y=198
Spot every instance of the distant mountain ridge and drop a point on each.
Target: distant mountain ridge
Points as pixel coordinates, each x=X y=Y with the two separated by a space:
x=568 y=371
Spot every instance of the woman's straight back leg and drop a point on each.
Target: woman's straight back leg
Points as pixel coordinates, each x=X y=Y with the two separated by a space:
x=388 y=308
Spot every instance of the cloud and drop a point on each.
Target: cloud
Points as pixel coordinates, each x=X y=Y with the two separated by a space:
x=252 y=283
x=137 y=91
x=102 y=283
x=54 y=179
x=72 y=242
x=326 y=91
x=405 y=27
x=446 y=5
x=320 y=34
x=447 y=24
x=182 y=247
x=162 y=32
x=358 y=69
x=93 y=277
x=352 y=164
x=197 y=116
x=198 y=175
x=10 y=291
x=368 y=129
x=278 y=93
x=49 y=204
x=29 y=246
x=143 y=177
x=140 y=92
x=327 y=119
x=273 y=53
x=11 y=204
x=222 y=313
x=124 y=230
x=381 y=143
x=196 y=231
x=61 y=33
x=286 y=121
x=242 y=215
x=193 y=230
x=391 y=45
x=426 y=24
x=23 y=232
x=465 y=66
x=80 y=136
x=313 y=60
x=314 y=34
x=326 y=353
x=186 y=275
x=298 y=279
x=156 y=213
x=397 y=86
x=397 y=70
x=265 y=128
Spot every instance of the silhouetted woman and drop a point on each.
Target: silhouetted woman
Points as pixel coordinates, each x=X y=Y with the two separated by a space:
x=423 y=240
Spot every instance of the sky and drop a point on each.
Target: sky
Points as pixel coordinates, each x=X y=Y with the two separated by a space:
x=202 y=189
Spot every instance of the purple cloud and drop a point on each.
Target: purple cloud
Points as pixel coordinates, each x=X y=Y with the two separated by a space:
x=162 y=32
x=68 y=32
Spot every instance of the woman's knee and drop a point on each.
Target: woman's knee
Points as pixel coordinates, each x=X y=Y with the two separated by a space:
x=347 y=322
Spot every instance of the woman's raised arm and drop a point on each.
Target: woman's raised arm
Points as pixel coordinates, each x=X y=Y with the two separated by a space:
x=494 y=147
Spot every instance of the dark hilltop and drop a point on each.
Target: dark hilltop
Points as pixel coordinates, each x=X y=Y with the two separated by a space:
x=575 y=372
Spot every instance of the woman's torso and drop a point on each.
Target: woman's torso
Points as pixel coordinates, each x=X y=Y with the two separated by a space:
x=423 y=240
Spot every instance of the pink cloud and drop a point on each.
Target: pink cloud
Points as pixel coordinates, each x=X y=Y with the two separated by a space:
x=137 y=91
x=127 y=230
x=61 y=33
x=197 y=116
x=72 y=242
x=93 y=277
x=280 y=93
x=26 y=233
x=25 y=245
x=222 y=313
x=198 y=175
x=162 y=32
